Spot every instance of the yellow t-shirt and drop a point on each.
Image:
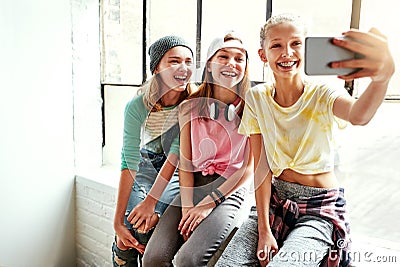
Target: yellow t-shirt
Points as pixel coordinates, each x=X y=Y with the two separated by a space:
x=298 y=137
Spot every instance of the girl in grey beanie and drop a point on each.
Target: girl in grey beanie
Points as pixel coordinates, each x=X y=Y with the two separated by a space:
x=149 y=180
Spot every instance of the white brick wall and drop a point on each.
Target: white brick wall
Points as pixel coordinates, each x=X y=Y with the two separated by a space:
x=95 y=206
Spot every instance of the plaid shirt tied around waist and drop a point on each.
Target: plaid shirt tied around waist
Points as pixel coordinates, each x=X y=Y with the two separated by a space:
x=330 y=205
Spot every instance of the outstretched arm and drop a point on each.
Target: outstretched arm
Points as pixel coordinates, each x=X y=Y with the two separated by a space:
x=377 y=63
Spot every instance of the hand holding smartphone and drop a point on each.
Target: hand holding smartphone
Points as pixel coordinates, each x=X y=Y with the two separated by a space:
x=320 y=52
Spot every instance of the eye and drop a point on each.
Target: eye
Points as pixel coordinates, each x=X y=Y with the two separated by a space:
x=297 y=43
x=174 y=61
x=189 y=63
x=275 y=45
x=240 y=59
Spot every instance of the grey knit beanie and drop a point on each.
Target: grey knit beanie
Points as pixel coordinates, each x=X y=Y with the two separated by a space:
x=161 y=46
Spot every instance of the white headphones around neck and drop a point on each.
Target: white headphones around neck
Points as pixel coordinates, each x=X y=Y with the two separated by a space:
x=229 y=113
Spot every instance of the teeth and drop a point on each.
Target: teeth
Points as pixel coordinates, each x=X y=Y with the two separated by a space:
x=227 y=73
x=180 y=77
x=287 y=64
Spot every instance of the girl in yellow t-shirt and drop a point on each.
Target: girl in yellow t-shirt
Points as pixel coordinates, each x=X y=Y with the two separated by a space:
x=300 y=217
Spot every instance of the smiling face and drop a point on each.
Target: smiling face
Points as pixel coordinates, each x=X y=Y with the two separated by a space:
x=175 y=69
x=283 y=49
x=227 y=66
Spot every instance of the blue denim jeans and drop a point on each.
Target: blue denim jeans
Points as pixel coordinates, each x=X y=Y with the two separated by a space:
x=149 y=166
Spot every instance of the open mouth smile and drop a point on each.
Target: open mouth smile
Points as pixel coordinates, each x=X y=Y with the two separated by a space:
x=287 y=64
x=180 y=78
x=229 y=73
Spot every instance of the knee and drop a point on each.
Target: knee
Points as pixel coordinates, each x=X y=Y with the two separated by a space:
x=189 y=259
x=122 y=257
x=120 y=245
x=153 y=259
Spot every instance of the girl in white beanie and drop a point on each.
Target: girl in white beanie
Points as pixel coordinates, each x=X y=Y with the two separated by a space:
x=215 y=164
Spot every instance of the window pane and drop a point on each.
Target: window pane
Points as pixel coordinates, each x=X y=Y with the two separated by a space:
x=172 y=17
x=244 y=17
x=115 y=100
x=383 y=16
x=122 y=41
x=322 y=17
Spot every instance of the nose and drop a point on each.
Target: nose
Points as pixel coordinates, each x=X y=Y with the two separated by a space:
x=288 y=51
x=231 y=62
x=183 y=66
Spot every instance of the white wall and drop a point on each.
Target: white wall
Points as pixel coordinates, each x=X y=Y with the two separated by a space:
x=36 y=137
x=95 y=207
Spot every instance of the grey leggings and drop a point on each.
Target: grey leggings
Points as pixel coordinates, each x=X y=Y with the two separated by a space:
x=306 y=245
x=167 y=242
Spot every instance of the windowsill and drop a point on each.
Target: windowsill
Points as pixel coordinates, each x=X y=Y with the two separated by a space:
x=106 y=175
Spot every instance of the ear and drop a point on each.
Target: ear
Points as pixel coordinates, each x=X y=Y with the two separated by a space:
x=208 y=66
x=262 y=56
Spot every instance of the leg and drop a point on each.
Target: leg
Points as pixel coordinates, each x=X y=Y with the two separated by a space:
x=242 y=249
x=166 y=239
x=124 y=258
x=211 y=233
x=307 y=244
x=168 y=195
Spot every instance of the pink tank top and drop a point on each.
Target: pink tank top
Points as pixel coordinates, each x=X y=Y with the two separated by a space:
x=217 y=147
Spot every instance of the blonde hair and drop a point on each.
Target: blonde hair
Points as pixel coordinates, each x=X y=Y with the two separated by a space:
x=279 y=19
x=205 y=90
x=152 y=95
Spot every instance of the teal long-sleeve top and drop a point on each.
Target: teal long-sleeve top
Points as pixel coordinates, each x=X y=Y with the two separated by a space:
x=135 y=133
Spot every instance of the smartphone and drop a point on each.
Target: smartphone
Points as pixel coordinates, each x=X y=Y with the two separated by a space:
x=320 y=52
